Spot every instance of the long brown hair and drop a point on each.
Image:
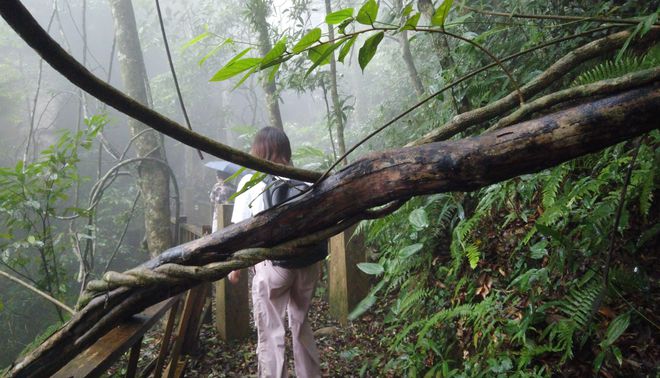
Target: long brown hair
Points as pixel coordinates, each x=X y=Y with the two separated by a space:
x=272 y=144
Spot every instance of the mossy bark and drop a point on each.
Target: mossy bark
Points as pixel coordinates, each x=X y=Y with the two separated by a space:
x=153 y=179
x=259 y=10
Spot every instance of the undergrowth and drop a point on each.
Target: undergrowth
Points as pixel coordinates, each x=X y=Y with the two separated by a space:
x=509 y=280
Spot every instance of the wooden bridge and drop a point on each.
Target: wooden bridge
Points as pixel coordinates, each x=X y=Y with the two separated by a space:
x=184 y=315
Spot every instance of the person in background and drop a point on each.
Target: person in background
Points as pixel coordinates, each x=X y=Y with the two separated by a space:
x=220 y=194
x=274 y=288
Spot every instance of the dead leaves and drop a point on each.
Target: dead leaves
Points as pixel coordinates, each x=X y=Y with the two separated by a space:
x=484 y=284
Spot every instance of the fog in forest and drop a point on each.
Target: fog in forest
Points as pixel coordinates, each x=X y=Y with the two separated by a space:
x=35 y=97
x=529 y=251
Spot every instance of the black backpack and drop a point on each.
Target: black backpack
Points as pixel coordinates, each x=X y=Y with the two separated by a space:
x=279 y=191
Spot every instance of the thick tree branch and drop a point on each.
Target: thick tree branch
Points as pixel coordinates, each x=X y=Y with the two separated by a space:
x=600 y=88
x=555 y=72
x=375 y=180
x=18 y=17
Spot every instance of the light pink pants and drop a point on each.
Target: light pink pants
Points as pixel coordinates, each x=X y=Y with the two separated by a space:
x=275 y=290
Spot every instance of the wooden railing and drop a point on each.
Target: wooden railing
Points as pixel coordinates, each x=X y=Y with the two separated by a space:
x=180 y=335
x=346 y=287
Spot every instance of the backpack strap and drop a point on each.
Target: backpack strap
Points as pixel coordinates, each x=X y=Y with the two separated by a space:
x=268 y=193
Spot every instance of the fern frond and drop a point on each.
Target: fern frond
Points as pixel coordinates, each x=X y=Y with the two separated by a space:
x=561 y=338
x=551 y=185
x=643 y=178
x=414 y=299
x=582 y=302
x=473 y=254
x=611 y=69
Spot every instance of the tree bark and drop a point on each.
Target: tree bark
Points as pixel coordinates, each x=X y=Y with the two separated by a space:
x=410 y=64
x=334 y=93
x=407 y=56
x=377 y=179
x=153 y=180
x=550 y=76
x=259 y=10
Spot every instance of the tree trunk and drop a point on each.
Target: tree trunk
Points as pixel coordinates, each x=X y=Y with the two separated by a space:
x=407 y=56
x=153 y=179
x=377 y=179
x=259 y=10
x=334 y=93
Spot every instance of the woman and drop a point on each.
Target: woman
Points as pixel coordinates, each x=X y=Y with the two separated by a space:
x=276 y=289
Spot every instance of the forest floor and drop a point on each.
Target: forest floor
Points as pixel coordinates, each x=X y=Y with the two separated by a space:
x=344 y=350
x=353 y=350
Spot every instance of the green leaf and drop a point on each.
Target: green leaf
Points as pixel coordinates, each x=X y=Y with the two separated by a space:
x=368 y=50
x=410 y=250
x=598 y=361
x=641 y=29
x=616 y=329
x=362 y=307
x=236 y=66
x=307 y=40
x=275 y=52
x=368 y=13
x=538 y=250
x=648 y=22
x=343 y=25
x=411 y=23
x=407 y=10
x=372 y=269
x=232 y=69
x=338 y=16
x=215 y=50
x=245 y=77
x=617 y=354
x=236 y=175
x=441 y=13
x=256 y=178
x=31 y=239
x=273 y=72
x=346 y=48
x=320 y=55
x=418 y=218
x=195 y=40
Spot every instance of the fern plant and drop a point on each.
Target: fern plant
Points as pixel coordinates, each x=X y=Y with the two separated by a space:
x=613 y=68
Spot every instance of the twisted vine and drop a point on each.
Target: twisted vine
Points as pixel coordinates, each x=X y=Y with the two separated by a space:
x=172 y=274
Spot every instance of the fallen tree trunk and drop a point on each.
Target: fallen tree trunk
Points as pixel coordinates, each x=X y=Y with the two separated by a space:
x=374 y=180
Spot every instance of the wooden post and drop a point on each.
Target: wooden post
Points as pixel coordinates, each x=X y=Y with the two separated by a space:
x=347 y=285
x=232 y=313
x=133 y=358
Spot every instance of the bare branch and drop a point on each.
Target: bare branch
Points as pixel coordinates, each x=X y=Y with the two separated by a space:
x=39 y=292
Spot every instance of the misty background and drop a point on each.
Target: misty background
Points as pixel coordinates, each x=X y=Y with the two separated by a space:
x=33 y=95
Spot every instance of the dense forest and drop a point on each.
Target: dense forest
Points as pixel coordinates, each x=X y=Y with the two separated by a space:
x=499 y=158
